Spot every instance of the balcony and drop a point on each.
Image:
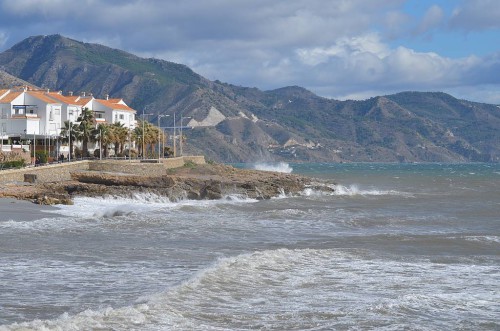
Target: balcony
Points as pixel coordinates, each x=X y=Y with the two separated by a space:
x=24 y=116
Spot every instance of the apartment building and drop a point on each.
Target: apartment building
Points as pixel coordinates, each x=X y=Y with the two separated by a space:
x=35 y=115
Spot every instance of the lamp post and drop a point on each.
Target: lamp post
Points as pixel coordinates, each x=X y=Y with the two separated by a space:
x=129 y=140
x=143 y=132
x=100 y=144
x=182 y=117
x=69 y=142
x=34 y=146
x=159 y=134
x=175 y=146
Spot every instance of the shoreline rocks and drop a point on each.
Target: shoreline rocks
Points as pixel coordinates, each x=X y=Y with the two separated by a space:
x=199 y=182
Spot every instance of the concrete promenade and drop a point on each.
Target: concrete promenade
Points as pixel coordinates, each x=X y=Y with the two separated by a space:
x=62 y=171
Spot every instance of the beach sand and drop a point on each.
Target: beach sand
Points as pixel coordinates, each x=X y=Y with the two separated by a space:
x=20 y=210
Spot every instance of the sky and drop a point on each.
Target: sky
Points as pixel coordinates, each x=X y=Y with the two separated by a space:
x=341 y=49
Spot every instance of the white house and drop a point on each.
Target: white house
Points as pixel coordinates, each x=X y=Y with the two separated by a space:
x=35 y=115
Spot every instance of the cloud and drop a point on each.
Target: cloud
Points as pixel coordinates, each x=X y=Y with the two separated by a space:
x=335 y=48
x=433 y=18
x=473 y=15
x=360 y=63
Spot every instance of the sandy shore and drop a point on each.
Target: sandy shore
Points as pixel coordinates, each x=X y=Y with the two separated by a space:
x=20 y=210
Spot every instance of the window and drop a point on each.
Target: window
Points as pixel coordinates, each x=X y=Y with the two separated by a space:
x=122 y=116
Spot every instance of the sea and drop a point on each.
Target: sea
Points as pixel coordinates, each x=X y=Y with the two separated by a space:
x=395 y=247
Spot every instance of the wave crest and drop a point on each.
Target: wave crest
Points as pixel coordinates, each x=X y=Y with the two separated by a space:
x=276 y=167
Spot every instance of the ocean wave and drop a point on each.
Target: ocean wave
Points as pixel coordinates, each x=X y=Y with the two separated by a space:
x=302 y=288
x=484 y=239
x=116 y=206
x=354 y=190
x=277 y=167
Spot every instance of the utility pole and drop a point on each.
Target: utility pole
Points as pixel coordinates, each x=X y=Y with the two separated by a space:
x=69 y=142
x=144 y=133
x=175 y=146
x=34 y=146
x=159 y=134
x=100 y=144
x=182 y=117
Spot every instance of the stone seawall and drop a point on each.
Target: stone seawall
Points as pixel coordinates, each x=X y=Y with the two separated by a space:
x=47 y=173
x=62 y=171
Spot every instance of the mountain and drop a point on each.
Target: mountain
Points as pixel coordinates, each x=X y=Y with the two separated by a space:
x=242 y=124
x=8 y=81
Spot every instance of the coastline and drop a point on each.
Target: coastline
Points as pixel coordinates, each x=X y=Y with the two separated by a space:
x=190 y=181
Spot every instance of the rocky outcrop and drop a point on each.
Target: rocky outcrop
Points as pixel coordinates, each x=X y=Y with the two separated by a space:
x=196 y=182
x=199 y=182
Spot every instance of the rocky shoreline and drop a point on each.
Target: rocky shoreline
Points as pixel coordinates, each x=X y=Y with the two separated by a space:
x=195 y=182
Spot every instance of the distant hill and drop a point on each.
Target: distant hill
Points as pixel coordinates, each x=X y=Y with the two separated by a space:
x=242 y=124
x=8 y=81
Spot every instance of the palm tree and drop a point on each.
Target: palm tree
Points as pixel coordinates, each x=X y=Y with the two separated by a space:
x=119 y=134
x=122 y=136
x=102 y=134
x=137 y=135
x=68 y=134
x=86 y=129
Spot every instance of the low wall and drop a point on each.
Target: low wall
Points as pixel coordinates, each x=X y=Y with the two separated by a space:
x=177 y=162
x=146 y=168
x=129 y=167
x=62 y=171
x=46 y=173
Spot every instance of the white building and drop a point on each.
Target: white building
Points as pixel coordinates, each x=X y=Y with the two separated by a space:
x=35 y=115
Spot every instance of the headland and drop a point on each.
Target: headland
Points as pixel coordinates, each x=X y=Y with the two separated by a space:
x=179 y=178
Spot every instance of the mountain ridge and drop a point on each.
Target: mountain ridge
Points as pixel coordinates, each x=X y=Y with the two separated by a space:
x=288 y=123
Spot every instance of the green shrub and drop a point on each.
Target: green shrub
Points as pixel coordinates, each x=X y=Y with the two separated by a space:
x=16 y=164
x=41 y=156
x=189 y=164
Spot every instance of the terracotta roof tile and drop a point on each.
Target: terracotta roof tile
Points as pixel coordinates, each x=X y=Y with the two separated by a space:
x=114 y=100
x=42 y=96
x=10 y=96
x=66 y=99
x=113 y=105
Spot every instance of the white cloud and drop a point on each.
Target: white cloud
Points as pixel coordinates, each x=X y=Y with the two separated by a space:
x=335 y=48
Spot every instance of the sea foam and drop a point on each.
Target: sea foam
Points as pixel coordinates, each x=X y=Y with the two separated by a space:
x=277 y=167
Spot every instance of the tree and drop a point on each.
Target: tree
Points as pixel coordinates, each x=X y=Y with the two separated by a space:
x=102 y=135
x=150 y=134
x=86 y=129
x=69 y=134
x=118 y=135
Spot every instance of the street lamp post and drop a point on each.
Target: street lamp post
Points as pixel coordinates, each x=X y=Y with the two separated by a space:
x=69 y=142
x=100 y=144
x=182 y=117
x=159 y=134
x=1 y=147
x=175 y=145
x=143 y=133
x=34 y=146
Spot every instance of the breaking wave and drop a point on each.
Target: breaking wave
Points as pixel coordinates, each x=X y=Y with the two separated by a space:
x=354 y=190
x=277 y=167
